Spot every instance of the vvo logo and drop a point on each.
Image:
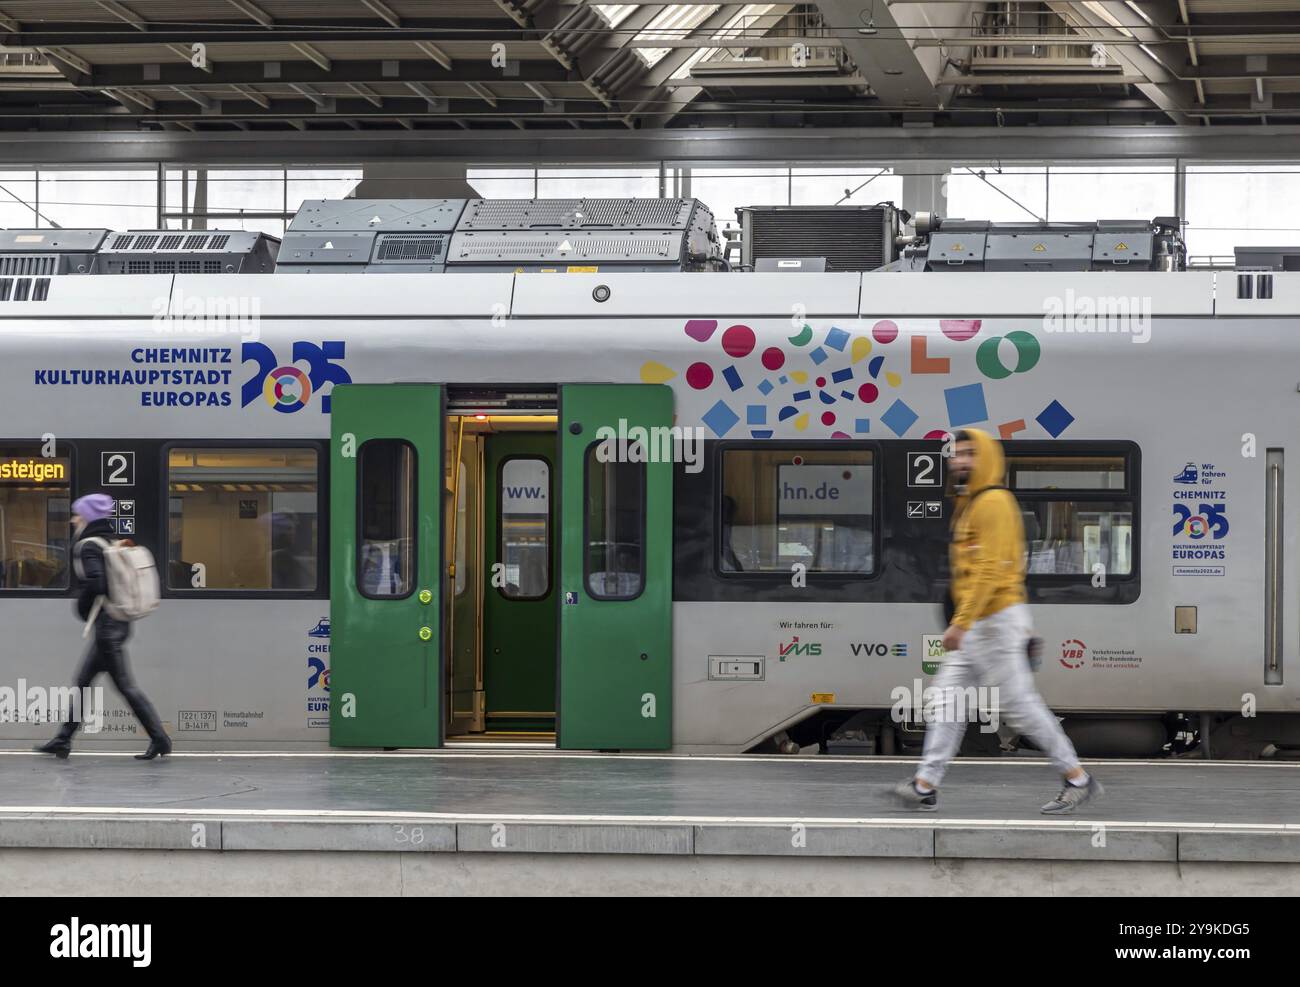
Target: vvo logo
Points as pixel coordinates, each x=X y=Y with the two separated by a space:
x=286 y=388
x=878 y=649
x=98 y=940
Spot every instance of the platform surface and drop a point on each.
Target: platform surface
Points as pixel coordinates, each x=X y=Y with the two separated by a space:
x=539 y=802
x=547 y=784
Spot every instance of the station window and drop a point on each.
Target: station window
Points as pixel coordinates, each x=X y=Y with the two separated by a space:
x=242 y=518
x=525 y=499
x=34 y=496
x=1078 y=512
x=784 y=506
x=387 y=495
x=615 y=528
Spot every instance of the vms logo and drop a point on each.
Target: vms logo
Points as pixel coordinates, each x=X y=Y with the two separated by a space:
x=795 y=648
x=322 y=628
x=1190 y=474
x=286 y=388
x=1073 y=653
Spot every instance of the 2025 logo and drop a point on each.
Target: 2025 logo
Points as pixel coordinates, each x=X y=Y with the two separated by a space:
x=285 y=387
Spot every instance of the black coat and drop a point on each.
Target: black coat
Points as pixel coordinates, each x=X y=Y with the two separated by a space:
x=93 y=580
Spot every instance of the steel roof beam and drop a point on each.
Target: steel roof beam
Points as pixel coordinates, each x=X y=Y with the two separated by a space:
x=701 y=146
x=252 y=73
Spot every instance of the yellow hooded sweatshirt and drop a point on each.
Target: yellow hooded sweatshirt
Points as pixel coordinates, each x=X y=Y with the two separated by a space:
x=987 y=554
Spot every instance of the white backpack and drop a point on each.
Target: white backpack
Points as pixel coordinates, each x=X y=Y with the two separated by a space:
x=132 y=577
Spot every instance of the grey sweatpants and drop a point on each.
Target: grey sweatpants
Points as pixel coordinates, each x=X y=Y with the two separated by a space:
x=993 y=655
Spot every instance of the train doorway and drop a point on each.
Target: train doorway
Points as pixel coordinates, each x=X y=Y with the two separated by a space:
x=501 y=568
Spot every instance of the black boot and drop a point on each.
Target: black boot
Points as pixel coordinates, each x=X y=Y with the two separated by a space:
x=156 y=747
x=60 y=747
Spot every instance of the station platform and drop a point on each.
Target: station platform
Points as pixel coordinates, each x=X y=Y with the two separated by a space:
x=546 y=822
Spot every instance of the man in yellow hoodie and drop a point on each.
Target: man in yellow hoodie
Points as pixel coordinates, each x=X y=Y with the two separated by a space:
x=987 y=639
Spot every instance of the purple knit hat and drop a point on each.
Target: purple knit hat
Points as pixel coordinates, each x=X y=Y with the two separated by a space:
x=94 y=506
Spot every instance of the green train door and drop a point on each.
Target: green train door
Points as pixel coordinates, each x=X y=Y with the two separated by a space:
x=615 y=677
x=386 y=519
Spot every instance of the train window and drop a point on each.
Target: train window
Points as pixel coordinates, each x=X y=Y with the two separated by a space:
x=1066 y=472
x=1075 y=511
x=615 y=528
x=35 y=491
x=1070 y=538
x=242 y=518
x=787 y=506
x=386 y=549
x=525 y=538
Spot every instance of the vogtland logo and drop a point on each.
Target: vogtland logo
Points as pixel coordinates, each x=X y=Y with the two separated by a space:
x=102 y=941
x=656 y=444
x=286 y=388
x=795 y=647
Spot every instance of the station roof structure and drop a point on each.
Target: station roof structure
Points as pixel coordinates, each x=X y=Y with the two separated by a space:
x=550 y=68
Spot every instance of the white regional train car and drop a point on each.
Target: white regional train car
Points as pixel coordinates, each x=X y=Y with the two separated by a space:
x=329 y=577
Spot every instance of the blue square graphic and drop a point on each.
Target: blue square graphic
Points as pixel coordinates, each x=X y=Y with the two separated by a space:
x=965 y=404
x=899 y=418
x=1054 y=419
x=819 y=355
x=862 y=425
x=836 y=339
x=756 y=414
x=720 y=418
x=765 y=387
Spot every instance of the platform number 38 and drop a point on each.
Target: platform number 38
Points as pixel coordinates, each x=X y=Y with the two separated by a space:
x=1210 y=519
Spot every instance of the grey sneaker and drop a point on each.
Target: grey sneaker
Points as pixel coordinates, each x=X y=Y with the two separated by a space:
x=906 y=794
x=1073 y=796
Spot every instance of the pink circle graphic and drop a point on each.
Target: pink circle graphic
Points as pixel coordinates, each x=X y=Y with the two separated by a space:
x=773 y=358
x=959 y=330
x=738 y=341
x=868 y=392
x=699 y=375
x=828 y=418
x=884 y=331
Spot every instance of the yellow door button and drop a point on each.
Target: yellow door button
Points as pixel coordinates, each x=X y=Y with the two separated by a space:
x=426 y=596
x=425 y=633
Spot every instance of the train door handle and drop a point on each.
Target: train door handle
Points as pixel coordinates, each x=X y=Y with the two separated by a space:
x=425 y=633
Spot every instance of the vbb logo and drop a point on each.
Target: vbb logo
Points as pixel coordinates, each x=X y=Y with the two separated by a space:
x=1072 y=653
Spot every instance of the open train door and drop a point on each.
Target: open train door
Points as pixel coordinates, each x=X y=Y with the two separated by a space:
x=616 y=546
x=386 y=518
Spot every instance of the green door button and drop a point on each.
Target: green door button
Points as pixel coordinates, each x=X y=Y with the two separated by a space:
x=426 y=596
x=425 y=633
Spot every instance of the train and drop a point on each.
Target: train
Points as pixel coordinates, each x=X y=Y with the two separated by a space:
x=590 y=504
